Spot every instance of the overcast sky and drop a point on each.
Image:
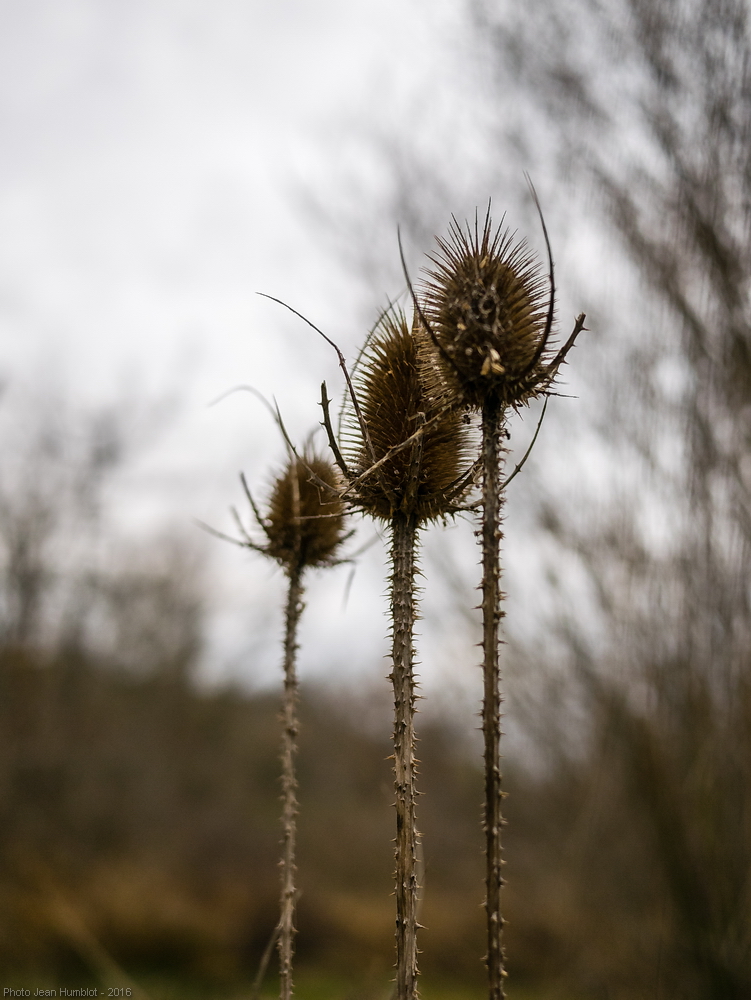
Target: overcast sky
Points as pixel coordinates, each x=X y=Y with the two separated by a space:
x=152 y=159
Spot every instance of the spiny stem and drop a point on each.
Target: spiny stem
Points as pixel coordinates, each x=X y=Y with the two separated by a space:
x=492 y=426
x=289 y=783
x=403 y=544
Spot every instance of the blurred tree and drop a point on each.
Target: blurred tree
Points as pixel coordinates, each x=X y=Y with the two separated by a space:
x=652 y=103
x=53 y=473
x=67 y=582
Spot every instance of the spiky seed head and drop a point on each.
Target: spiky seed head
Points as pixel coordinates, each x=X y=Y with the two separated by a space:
x=305 y=522
x=399 y=389
x=486 y=304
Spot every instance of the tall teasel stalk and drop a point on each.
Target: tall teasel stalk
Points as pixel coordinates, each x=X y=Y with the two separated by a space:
x=484 y=307
x=404 y=462
x=304 y=527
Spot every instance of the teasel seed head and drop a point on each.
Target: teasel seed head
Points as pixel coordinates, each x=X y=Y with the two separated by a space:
x=304 y=523
x=486 y=305
x=400 y=390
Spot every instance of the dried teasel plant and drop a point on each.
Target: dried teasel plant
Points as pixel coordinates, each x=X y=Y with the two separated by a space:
x=304 y=529
x=404 y=460
x=488 y=311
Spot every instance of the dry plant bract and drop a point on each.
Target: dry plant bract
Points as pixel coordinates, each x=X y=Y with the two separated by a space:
x=489 y=317
x=404 y=460
x=304 y=524
x=304 y=527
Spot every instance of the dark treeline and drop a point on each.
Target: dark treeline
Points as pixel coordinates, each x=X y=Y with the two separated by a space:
x=143 y=816
x=140 y=826
x=140 y=823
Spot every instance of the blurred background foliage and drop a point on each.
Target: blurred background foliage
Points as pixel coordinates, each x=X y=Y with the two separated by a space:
x=139 y=809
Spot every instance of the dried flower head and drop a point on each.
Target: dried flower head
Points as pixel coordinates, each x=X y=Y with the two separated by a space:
x=487 y=308
x=304 y=525
x=405 y=444
x=305 y=521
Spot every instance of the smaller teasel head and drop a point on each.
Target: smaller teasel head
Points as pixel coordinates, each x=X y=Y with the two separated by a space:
x=405 y=445
x=304 y=522
x=489 y=306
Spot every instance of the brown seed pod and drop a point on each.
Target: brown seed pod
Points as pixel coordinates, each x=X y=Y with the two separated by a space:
x=487 y=308
x=399 y=390
x=305 y=521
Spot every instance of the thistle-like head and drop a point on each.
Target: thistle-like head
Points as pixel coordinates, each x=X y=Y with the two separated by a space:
x=304 y=523
x=486 y=304
x=405 y=444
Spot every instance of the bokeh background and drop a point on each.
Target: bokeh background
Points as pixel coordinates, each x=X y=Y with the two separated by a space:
x=162 y=163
